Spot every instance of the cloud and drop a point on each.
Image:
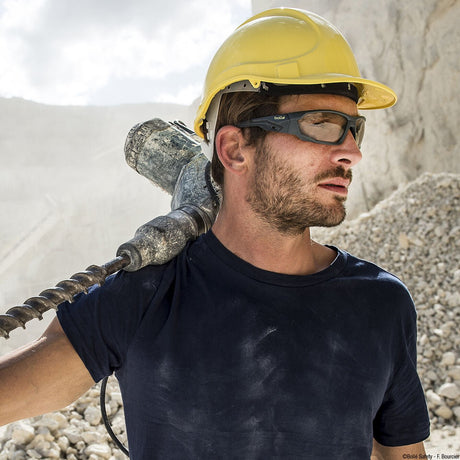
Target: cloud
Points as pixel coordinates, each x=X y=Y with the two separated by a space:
x=66 y=52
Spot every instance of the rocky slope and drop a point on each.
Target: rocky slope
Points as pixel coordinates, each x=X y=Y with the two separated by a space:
x=415 y=234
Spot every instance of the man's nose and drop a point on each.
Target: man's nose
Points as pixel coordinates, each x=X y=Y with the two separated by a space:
x=347 y=154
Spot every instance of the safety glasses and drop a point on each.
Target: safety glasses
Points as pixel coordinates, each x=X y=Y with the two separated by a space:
x=320 y=126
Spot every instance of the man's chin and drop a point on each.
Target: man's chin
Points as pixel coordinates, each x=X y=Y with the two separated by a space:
x=333 y=217
x=331 y=224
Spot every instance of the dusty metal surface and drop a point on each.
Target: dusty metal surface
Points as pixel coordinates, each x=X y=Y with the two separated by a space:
x=195 y=204
x=159 y=240
x=48 y=299
x=158 y=150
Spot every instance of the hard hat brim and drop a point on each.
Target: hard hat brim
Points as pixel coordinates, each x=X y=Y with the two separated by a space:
x=371 y=94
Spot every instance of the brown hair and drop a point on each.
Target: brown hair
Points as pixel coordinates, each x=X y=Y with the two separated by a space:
x=237 y=107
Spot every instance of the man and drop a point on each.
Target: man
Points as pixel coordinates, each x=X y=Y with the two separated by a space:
x=255 y=342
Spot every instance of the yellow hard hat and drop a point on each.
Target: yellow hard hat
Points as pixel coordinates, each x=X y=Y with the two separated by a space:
x=287 y=46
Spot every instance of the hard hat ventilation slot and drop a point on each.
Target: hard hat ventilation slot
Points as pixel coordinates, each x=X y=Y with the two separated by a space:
x=338 y=89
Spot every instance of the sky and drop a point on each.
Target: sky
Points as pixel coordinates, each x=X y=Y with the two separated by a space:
x=109 y=52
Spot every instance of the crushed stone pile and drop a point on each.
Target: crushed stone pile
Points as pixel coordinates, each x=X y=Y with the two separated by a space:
x=75 y=433
x=414 y=234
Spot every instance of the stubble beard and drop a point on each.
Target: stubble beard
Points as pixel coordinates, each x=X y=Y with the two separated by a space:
x=279 y=196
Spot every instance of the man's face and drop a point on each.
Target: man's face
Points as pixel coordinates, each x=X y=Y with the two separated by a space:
x=297 y=184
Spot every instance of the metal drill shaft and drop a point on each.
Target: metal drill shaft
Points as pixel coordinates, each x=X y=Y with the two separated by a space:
x=65 y=290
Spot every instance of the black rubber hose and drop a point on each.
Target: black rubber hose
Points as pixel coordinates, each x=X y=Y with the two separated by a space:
x=106 y=419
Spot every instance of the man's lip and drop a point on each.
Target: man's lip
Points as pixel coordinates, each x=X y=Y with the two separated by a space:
x=336 y=181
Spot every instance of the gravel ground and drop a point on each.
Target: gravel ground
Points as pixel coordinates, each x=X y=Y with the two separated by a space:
x=415 y=234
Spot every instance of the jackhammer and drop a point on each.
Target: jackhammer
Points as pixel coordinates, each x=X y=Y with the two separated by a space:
x=170 y=156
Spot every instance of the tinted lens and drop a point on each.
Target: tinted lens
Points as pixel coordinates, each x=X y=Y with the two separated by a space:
x=360 y=123
x=323 y=126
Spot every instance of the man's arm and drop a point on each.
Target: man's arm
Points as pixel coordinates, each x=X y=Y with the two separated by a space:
x=41 y=377
x=380 y=452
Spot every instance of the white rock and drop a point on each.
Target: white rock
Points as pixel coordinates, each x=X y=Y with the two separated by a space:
x=118 y=456
x=72 y=433
x=431 y=375
x=44 y=433
x=453 y=299
x=116 y=396
x=444 y=412
x=63 y=443
x=40 y=445
x=449 y=390
x=53 y=421
x=21 y=432
x=51 y=453
x=101 y=450
x=403 y=241
x=428 y=353
x=454 y=372
x=92 y=415
x=424 y=338
x=433 y=398
x=18 y=455
x=41 y=441
x=448 y=358
x=92 y=437
x=80 y=445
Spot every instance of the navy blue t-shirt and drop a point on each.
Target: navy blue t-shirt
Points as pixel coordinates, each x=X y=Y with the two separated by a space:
x=218 y=359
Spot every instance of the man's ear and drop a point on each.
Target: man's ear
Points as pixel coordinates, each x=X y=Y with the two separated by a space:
x=231 y=148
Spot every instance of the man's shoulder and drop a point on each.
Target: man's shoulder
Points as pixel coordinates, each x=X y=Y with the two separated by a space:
x=374 y=274
x=378 y=289
x=148 y=278
x=364 y=265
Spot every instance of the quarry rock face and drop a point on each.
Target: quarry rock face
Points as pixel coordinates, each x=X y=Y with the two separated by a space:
x=412 y=47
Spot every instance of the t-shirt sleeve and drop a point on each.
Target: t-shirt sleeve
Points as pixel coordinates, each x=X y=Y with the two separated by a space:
x=102 y=323
x=402 y=418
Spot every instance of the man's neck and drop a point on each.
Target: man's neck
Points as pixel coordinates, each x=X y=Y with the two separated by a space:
x=256 y=242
